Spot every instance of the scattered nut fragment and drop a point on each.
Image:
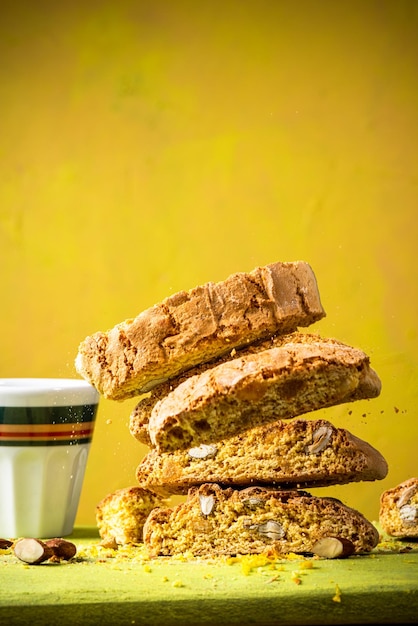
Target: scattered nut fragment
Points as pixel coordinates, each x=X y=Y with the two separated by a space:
x=204 y=451
x=320 y=439
x=271 y=530
x=32 y=551
x=333 y=547
x=206 y=504
x=5 y=544
x=63 y=550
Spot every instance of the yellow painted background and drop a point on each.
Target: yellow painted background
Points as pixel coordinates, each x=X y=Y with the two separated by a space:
x=150 y=146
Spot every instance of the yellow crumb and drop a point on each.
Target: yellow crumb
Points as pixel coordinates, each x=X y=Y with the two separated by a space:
x=337 y=596
x=295 y=577
x=273 y=579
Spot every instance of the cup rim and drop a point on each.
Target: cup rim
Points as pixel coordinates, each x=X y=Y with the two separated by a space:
x=46 y=392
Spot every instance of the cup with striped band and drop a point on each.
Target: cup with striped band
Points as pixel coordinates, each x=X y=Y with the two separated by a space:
x=46 y=429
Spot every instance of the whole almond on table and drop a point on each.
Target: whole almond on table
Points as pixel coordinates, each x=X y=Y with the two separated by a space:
x=62 y=549
x=32 y=551
x=333 y=547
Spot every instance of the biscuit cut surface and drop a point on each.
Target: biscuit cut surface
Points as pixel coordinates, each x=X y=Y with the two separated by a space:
x=192 y=327
x=398 y=514
x=304 y=374
x=120 y=516
x=215 y=521
x=299 y=453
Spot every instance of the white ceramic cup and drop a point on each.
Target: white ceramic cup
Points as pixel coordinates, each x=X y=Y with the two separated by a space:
x=46 y=428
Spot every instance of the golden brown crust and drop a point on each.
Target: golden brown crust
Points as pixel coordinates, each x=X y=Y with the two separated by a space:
x=192 y=327
x=120 y=515
x=299 y=454
x=282 y=382
x=215 y=521
x=398 y=513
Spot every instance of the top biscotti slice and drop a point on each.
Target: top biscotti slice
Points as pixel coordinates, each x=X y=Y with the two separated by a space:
x=215 y=521
x=191 y=327
x=282 y=382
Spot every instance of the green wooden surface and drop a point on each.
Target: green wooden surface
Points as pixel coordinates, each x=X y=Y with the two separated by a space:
x=106 y=587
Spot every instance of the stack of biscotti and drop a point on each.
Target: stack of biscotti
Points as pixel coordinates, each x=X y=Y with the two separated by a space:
x=222 y=374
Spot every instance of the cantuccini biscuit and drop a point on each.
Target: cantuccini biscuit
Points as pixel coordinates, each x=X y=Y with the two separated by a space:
x=191 y=327
x=300 y=376
x=300 y=453
x=214 y=521
x=120 y=515
x=139 y=418
x=398 y=514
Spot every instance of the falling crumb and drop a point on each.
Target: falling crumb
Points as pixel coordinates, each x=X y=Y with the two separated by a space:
x=337 y=596
x=109 y=421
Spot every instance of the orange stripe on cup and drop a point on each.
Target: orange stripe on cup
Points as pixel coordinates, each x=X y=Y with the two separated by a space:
x=45 y=432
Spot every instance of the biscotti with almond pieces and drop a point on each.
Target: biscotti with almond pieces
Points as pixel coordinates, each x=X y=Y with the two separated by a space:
x=215 y=521
x=300 y=376
x=120 y=515
x=398 y=514
x=191 y=327
x=296 y=454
